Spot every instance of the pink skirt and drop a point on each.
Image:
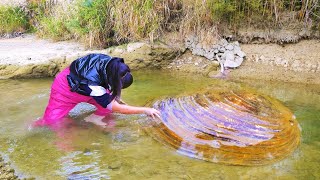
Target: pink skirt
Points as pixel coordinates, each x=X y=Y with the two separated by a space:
x=62 y=100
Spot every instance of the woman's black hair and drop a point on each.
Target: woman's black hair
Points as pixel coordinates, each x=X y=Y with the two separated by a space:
x=118 y=76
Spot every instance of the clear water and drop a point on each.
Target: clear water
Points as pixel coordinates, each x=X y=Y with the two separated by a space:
x=125 y=151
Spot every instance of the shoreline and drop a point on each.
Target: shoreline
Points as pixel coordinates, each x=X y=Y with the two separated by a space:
x=29 y=57
x=294 y=63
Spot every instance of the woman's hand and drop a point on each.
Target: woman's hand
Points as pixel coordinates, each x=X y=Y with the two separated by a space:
x=152 y=112
x=127 y=109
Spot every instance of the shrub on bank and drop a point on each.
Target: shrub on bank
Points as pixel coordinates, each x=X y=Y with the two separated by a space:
x=13 y=19
x=104 y=22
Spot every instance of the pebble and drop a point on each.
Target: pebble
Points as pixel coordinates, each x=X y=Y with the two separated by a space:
x=115 y=165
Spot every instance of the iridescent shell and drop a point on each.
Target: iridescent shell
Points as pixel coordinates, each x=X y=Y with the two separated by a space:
x=230 y=127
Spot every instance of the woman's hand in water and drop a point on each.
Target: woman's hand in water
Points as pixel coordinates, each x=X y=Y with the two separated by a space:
x=152 y=112
x=127 y=109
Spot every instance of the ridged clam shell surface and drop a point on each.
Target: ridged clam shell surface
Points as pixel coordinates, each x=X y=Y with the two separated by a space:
x=233 y=127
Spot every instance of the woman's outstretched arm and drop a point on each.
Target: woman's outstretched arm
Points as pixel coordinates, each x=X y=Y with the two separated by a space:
x=127 y=109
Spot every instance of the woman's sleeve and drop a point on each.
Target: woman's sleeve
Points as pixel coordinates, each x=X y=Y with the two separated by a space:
x=101 y=96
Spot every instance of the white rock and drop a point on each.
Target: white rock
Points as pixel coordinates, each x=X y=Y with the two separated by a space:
x=233 y=63
x=236 y=48
x=221 y=49
x=223 y=42
x=240 y=54
x=229 y=55
x=223 y=58
x=210 y=55
x=229 y=47
x=239 y=60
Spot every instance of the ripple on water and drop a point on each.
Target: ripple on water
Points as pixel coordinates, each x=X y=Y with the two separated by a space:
x=233 y=127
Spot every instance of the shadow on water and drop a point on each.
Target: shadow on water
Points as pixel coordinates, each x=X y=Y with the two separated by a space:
x=80 y=150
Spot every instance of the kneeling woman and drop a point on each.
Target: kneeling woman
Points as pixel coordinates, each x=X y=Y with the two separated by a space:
x=96 y=79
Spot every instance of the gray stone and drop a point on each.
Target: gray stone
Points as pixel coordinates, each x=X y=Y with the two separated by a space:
x=220 y=54
x=240 y=54
x=223 y=58
x=230 y=59
x=233 y=63
x=236 y=48
x=215 y=46
x=230 y=64
x=115 y=165
x=210 y=55
x=229 y=47
x=223 y=42
x=239 y=60
x=221 y=49
x=229 y=55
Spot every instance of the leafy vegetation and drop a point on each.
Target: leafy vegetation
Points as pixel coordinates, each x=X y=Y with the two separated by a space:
x=13 y=19
x=105 y=22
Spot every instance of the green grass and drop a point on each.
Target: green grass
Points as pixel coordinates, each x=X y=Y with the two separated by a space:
x=13 y=19
x=105 y=22
x=101 y=23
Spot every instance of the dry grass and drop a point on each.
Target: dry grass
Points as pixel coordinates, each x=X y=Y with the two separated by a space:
x=105 y=22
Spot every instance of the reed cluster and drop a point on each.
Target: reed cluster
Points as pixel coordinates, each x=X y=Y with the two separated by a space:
x=12 y=19
x=102 y=23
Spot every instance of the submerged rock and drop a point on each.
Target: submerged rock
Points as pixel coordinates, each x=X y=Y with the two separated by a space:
x=6 y=172
x=232 y=127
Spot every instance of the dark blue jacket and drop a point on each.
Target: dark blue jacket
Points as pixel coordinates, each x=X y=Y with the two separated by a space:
x=88 y=71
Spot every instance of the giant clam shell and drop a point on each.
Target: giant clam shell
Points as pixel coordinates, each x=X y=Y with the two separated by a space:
x=230 y=127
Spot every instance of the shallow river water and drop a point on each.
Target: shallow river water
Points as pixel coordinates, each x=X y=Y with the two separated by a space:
x=124 y=151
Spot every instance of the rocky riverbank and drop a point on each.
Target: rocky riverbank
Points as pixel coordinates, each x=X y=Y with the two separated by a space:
x=29 y=57
x=298 y=63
